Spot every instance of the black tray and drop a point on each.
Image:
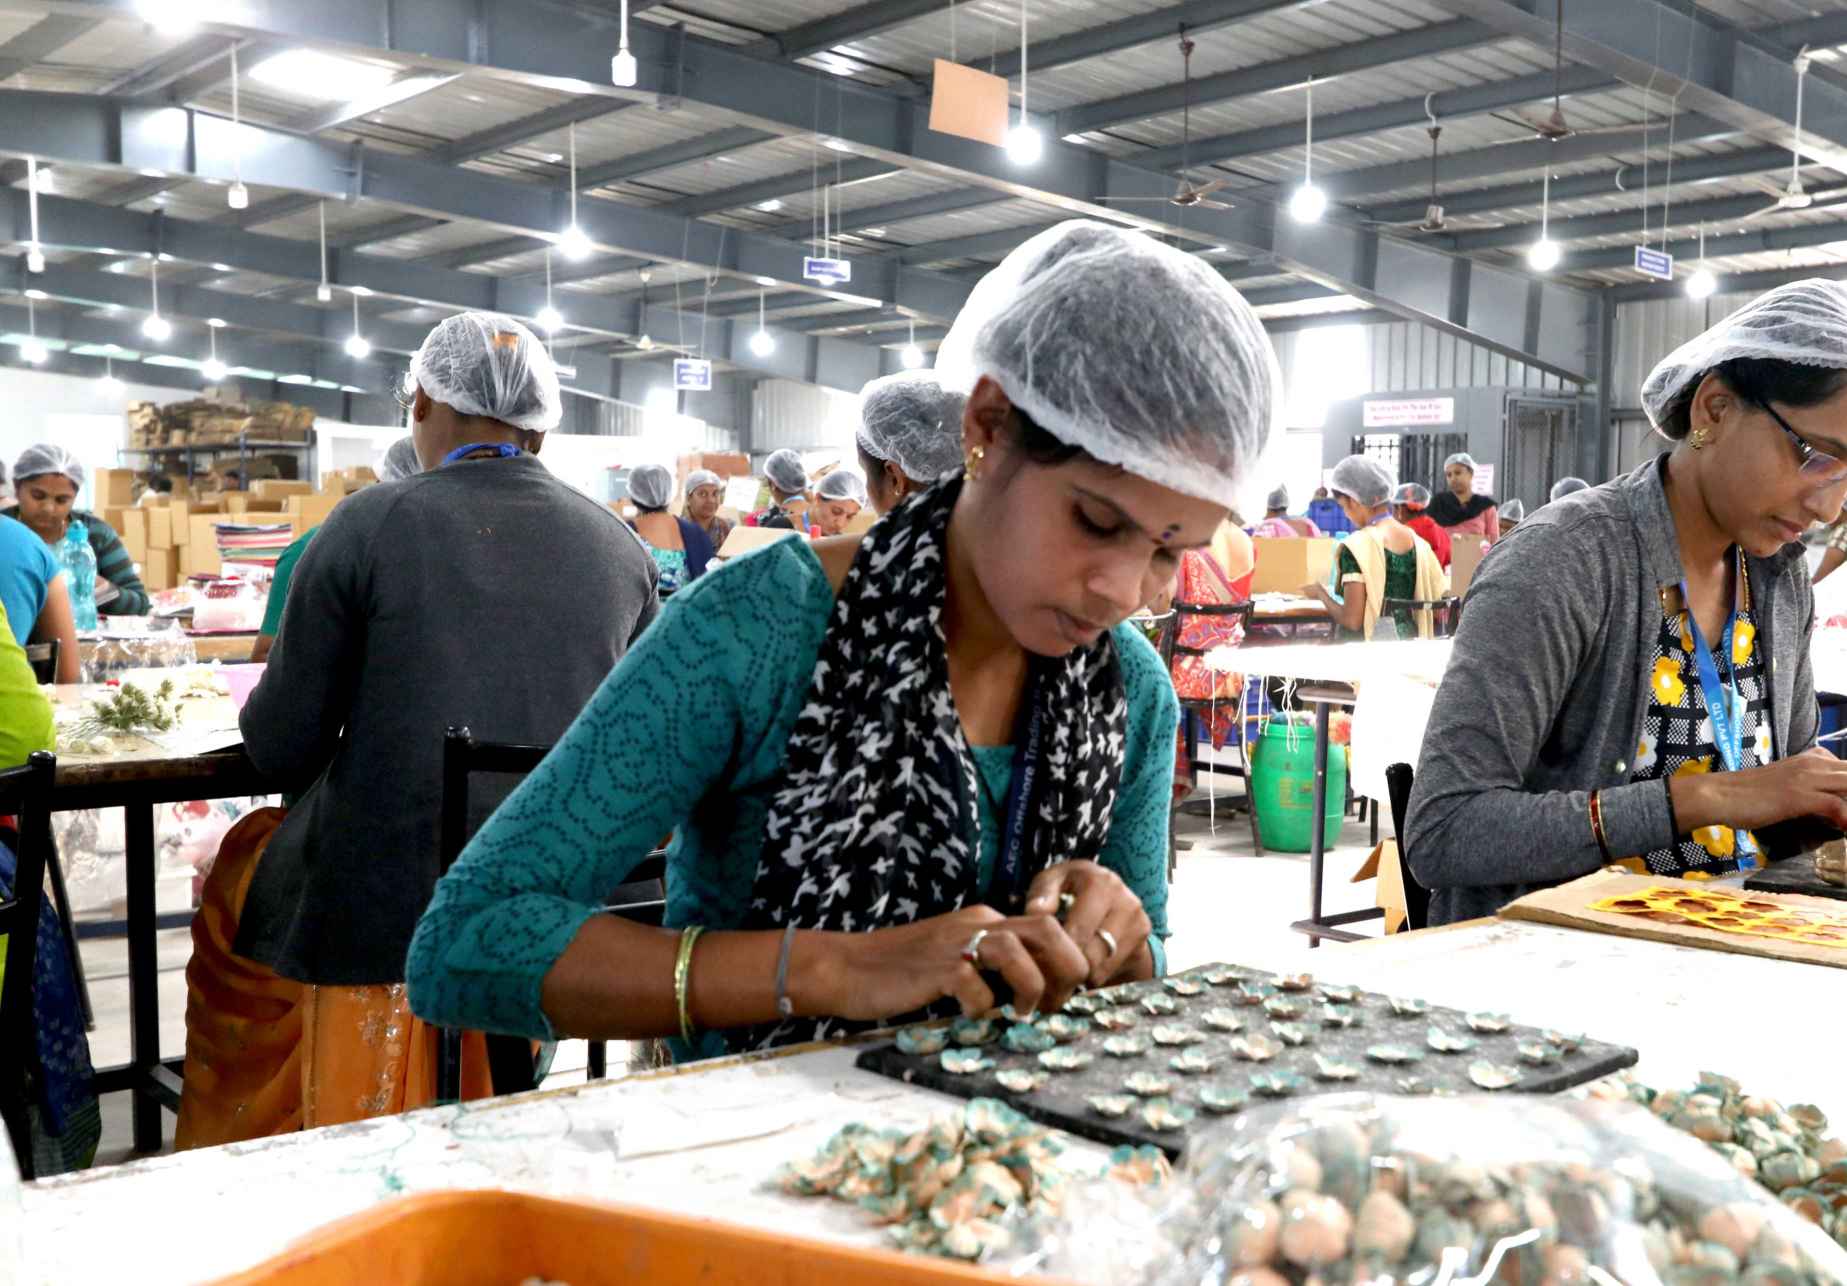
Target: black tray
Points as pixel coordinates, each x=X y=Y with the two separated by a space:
x=1794 y=875
x=1061 y=1101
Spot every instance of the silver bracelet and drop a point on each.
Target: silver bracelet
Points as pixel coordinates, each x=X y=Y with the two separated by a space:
x=783 y=1004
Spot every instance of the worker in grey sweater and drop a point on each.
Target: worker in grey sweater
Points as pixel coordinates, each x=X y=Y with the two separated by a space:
x=483 y=592
x=1631 y=680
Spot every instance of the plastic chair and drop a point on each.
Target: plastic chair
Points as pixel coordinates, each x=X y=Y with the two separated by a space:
x=642 y=899
x=1398 y=779
x=1445 y=613
x=1194 y=709
x=44 y=659
x=27 y=792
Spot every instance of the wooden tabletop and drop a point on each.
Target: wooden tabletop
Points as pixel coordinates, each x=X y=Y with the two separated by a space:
x=201 y=753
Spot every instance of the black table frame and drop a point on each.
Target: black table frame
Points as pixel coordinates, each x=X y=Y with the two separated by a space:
x=1324 y=696
x=137 y=787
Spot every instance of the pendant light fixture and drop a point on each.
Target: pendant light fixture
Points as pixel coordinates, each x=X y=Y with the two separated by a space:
x=356 y=346
x=622 y=68
x=156 y=327
x=912 y=356
x=33 y=350
x=109 y=385
x=572 y=242
x=1543 y=254
x=1309 y=202
x=550 y=320
x=324 y=291
x=213 y=369
x=643 y=341
x=35 y=253
x=237 y=196
x=761 y=344
x=1024 y=143
x=1702 y=283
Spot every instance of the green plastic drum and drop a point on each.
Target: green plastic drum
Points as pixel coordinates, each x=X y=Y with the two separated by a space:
x=1283 y=786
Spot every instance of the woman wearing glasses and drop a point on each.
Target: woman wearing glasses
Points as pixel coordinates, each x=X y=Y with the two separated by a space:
x=1659 y=708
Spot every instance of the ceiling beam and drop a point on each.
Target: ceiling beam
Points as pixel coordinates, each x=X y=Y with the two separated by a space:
x=41 y=40
x=279 y=208
x=1740 y=243
x=878 y=216
x=980 y=245
x=1139 y=29
x=781 y=185
x=822 y=34
x=1689 y=214
x=391 y=230
x=499 y=138
x=186 y=59
x=412 y=84
x=1728 y=283
x=211 y=72
x=484 y=252
x=687 y=152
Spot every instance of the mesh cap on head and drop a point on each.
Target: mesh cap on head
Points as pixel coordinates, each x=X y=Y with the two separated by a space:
x=1462 y=458
x=400 y=462
x=843 y=484
x=911 y=420
x=785 y=472
x=703 y=478
x=1364 y=479
x=1278 y=499
x=651 y=486
x=1804 y=322
x=1513 y=511
x=48 y=457
x=1412 y=495
x=1139 y=354
x=1565 y=486
x=490 y=365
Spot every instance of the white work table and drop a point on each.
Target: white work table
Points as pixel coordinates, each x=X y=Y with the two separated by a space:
x=703 y=1140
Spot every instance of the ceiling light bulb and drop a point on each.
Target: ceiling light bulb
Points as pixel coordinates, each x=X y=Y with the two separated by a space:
x=1025 y=144
x=34 y=351
x=35 y=260
x=1701 y=284
x=357 y=348
x=645 y=343
x=37 y=294
x=170 y=16
x=157 y=328
x=574 y=244
x=835 y=145
x=1543 y=255
x=623 y=71
x=109 y=385
x=762 y=344
x=770 y=206
x=912 y=357
x=214 y=370
x=1308 y=204
x=237 y=196
x=42 y=180
x=549 y=319
x=324 y=293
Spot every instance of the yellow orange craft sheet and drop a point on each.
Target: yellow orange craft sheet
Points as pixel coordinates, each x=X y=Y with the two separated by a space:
x=1727 y=912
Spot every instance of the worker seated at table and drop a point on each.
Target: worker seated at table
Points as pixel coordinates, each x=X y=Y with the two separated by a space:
x=1277 y=524
x=1631 y=681
x=483 y=593
x=705 y=494
x=834 y=731
x=1459 y=508
x=910 y=436
x=1409 y=505
x=35 y=592
x=1327 y=515
x=46 y=480
x=1217 y=576
x=838 y=498
x=787 y=479
x=1566 y=487
x=1382 y=559
x=677 y=545
x=1511 y=515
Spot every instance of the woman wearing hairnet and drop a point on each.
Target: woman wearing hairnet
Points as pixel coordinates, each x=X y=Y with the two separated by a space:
x=679 y=548
x=834 y=730
x=481 y=593
x=1512 y=514
x=1459 y=508
x=1567 y=487
x=1659 y=709
x=910 y=436
x=1410 y=505
x=1277 y=524
x=838 y=498
x=1382 y=559
x=46 y=480
x=705 y=493
x=788 y=483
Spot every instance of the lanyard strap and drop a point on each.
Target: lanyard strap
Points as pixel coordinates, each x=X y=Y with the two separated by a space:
x=1724 y=703
x=1010 y=874
x=501 y=450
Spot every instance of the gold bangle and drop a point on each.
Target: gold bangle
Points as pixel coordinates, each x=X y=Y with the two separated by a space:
x=682 y=971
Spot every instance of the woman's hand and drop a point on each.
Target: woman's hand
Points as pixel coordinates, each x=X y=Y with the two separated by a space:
x=1106 y=919
x=1811 y=784
x=1316 y=592
x=894 y=971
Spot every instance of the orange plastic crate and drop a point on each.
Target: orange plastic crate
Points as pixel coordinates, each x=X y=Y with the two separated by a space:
x=501 y=1239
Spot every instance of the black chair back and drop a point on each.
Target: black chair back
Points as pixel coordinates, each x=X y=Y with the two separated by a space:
x=1398 y=779
x=642 y=899
x=44 y=659
x=25 y=792
x=1170 y=633
x=1444 y=613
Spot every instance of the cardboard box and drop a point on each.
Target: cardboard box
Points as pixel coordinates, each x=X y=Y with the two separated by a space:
x=239 y=503
x=113 y=488
x=160 y=528
x=202 y=532
x=743 y=540
x=200 y=558
x=1384 y=865
x=161 y=569
x=280 y=488
x=134 y=532
x=1465 y=555
x=726 y=464
x=183 y=511
x=1285 y=566
x=307 y=512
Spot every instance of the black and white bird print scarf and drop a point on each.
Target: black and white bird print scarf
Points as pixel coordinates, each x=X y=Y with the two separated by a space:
x=876 y=820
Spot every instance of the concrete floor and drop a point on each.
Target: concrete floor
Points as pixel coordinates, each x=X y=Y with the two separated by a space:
x=1226 y=903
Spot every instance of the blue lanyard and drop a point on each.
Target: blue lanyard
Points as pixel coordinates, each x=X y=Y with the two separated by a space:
x=1011 y=879
x=1725 y=704
x=501 y=450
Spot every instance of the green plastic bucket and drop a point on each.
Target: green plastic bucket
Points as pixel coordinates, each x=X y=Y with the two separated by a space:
x=1282 y=785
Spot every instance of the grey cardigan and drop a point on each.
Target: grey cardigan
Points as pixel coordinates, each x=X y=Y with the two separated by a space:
x=1543 y=699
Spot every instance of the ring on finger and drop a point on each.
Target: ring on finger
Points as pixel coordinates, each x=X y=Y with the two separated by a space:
x=1109 y=940
x=972 y=952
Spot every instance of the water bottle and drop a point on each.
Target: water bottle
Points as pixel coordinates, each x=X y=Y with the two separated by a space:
x=79 y=560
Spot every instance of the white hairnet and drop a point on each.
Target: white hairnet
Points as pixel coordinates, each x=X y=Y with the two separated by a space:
x=1363 y=478
x=843 y=484
x=785 y=472
x=490 y=365
x=47 y=457
x=1278 y=499
x=1804 y=322
x=703 y=478
x=1462 y=458
x=1413 y=494
x=1565 y=486
x=911 y=420
x=1136 y=352
x=1513 y=511
x=400 y=462
x=650 y=486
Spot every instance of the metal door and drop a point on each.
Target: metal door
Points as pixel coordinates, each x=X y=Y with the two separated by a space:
x=1413 y=457
x=1538 y=449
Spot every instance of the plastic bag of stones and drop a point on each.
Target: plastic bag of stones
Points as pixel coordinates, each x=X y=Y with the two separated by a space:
x=1346 y=1189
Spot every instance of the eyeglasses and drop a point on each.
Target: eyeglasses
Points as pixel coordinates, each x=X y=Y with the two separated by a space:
x=1816 y=464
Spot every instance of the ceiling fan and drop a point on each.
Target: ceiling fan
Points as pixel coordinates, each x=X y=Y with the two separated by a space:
x=1793 y=195
x=1555 y=128
x=1433 y=220
x=1188 y=195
